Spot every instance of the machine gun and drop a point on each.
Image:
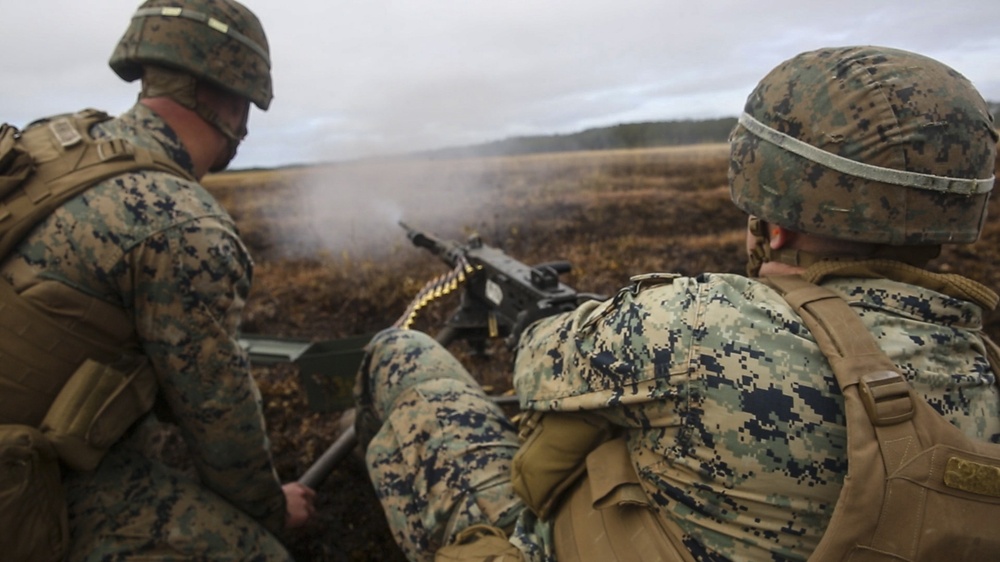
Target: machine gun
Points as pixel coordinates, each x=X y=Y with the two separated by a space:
x=500 y=298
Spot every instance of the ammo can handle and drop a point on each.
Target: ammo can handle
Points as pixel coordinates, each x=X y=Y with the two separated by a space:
x=319 y=470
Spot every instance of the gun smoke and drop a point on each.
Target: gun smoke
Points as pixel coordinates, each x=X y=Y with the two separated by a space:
x=352 y=210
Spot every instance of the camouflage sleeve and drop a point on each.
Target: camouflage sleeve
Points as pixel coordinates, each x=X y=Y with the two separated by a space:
x=189 y=286
x=610 y=355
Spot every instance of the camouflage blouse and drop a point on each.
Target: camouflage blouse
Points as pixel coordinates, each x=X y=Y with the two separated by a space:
x=733 y=417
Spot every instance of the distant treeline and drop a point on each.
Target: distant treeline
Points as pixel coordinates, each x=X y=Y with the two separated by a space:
x=630 y=135
x=627 y=135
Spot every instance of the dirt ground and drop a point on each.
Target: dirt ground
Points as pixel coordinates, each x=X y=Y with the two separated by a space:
x=611 y=215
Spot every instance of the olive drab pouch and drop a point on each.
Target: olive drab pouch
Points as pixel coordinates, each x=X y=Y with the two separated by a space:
x=33 y=526
x=96 y=406
x=917 y=489
x=553 y=455
x=606 y=515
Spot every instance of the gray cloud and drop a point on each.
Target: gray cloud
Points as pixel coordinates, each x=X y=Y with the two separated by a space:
x=356 y=78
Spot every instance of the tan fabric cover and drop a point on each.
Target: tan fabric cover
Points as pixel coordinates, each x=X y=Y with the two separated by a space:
x=917 y=488
x=607 y=516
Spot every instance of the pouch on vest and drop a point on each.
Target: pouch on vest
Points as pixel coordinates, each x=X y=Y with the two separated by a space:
x=479 y=543
x=33 y=526
x=95 y=407
x=607 y=516
x=553 y=454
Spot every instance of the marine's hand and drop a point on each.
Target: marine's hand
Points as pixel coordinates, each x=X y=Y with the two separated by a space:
x=299 y=500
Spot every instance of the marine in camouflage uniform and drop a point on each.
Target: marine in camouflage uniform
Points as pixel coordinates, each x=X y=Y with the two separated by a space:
x=157 y=254
x=164 y=249
x=732 y=417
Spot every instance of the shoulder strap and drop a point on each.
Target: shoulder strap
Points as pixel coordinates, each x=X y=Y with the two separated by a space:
x=851 y=350
x=66 y=160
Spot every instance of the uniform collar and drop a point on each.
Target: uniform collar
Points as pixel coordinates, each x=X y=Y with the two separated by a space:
x=949 y=284
x=142 y=126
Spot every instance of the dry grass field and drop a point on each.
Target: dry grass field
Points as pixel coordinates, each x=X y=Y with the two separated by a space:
x=331 y=262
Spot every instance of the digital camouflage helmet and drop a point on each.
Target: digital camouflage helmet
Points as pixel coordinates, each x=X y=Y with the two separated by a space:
x=867 y=144
x=218 y=41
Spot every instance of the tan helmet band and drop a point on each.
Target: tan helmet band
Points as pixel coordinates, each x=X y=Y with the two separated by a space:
x=854 y=168
x=215 y=24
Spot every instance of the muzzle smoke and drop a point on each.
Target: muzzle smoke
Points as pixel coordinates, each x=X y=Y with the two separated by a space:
x=352 y=210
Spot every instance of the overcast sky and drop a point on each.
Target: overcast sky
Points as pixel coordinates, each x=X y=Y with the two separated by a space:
x=356 y=78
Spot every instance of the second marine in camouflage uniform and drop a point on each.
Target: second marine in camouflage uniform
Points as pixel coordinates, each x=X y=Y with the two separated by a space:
x=722 y=393
x=731 y=416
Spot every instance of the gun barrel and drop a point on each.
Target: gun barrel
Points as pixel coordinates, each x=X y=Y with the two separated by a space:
x=449 y=252
x=421 y=239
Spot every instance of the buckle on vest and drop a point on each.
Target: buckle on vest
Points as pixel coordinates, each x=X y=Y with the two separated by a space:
x=886 y=396
x=112 y=149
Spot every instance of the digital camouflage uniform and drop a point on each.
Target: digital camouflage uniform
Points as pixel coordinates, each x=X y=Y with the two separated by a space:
x=732 y=415
x=161 y=249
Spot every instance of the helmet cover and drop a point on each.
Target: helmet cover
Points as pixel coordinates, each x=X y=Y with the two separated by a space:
x=219 y=41
x=869 y=144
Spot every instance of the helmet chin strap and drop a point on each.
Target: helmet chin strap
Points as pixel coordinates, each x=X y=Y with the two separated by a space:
x=233 y=136
x=762 y=252
x=183 y=89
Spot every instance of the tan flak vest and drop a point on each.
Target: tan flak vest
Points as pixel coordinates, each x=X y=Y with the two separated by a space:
x=917 y=488
x=69 y=363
